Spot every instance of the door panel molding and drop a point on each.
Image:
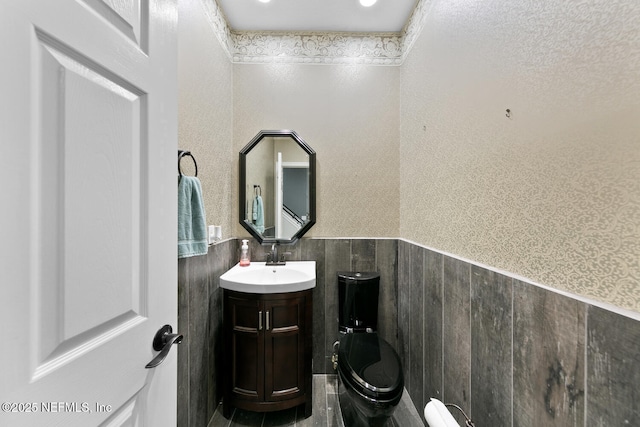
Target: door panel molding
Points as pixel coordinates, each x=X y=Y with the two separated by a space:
x=95 y=283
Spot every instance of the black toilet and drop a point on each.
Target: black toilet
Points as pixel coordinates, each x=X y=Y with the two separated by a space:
x=370 y=380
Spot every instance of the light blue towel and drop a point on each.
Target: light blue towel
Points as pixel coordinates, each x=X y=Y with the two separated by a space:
x=258 y=214
x=192 y=229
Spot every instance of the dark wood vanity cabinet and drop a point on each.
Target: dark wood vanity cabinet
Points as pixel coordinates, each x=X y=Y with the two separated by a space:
x=267 y=351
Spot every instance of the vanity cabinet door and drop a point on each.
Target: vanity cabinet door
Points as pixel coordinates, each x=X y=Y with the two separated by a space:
x=244 y=358
x=284 y=348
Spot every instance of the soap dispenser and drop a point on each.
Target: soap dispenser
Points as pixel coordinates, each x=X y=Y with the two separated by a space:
x=244 y=255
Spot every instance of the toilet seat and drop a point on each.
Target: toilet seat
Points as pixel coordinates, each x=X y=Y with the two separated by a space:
x=368 y=364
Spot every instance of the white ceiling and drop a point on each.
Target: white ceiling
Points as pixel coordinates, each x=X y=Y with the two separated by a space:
x=317 y=15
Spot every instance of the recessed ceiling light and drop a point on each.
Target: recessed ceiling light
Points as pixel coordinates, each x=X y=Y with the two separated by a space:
x=264 y=1
x=366 y=3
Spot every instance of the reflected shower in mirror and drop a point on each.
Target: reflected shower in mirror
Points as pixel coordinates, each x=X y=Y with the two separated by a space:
x=277 y=186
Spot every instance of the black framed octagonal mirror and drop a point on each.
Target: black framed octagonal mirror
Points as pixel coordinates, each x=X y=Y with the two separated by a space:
x=277 y=186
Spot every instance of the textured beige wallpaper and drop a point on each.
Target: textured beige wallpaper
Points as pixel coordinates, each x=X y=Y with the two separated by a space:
x=552 y=193
x=425 y=152
x=205 y=112
x=349 y=114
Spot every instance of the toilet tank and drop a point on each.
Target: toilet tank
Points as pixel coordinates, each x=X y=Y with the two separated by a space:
x=358 y=301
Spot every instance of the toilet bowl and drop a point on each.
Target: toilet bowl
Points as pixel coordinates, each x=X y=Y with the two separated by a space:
x=370 y=379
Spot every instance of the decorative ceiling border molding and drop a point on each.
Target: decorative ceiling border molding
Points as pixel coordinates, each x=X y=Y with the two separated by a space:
x=316 y=47
x=414 y=25
x=219 y=25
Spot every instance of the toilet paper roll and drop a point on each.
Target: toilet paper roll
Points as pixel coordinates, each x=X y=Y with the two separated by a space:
x=437 y=415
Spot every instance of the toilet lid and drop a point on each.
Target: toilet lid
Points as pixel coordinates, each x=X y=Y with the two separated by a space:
x=371 y=365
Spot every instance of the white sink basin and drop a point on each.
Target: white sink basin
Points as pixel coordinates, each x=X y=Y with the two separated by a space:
x=258 y=278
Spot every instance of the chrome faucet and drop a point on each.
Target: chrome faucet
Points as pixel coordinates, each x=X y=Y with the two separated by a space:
x=272 y=257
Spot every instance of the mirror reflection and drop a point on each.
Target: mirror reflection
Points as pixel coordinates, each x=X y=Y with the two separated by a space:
x=277 y=186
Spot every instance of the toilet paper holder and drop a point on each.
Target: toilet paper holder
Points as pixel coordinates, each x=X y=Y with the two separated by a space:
x=437 y=414
x=467 y=420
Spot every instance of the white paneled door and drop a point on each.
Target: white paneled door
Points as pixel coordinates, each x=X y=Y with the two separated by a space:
x=88 y=258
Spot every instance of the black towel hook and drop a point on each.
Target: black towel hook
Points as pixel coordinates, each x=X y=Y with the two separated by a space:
x=183 y=153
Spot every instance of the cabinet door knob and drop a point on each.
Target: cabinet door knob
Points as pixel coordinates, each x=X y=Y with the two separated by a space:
x=260 y=320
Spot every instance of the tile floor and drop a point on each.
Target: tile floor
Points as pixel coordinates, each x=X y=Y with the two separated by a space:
x=326 y=412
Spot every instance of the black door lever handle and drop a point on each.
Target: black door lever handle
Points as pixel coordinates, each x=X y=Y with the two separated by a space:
x=162 y=342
